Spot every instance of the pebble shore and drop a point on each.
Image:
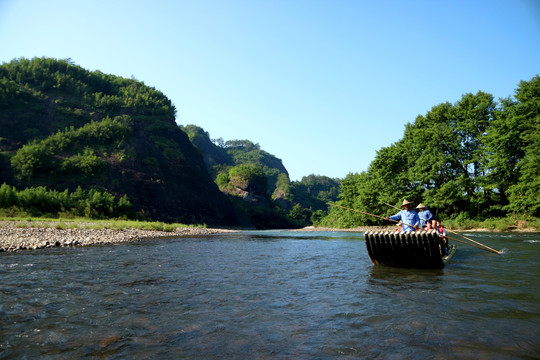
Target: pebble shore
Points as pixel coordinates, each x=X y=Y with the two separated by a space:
x=21 y=235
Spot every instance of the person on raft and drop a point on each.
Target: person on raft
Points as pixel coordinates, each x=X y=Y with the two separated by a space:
x=438 y=226
x=442 y=233
x=409 y=218
x=424 y=214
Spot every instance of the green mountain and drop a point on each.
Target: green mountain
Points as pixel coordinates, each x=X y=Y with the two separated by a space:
x=247 y=174
x=220 y=156
x=242 y=169
x=64 y=127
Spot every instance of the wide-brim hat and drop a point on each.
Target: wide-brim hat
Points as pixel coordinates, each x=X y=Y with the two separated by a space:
x=421 y=206
x=406 y=202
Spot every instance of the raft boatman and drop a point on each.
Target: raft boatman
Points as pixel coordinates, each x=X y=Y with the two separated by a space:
x=409 y=218
x=424 y=215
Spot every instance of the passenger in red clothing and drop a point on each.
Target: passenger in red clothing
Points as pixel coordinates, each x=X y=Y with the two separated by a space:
x=442 y=233
x=439 y=227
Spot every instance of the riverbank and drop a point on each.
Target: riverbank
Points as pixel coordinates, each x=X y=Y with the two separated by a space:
x=24 y=235
x=16 y=235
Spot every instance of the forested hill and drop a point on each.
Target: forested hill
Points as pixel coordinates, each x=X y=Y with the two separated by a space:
x=64 y=127
x=475 y=159
x=242 y=168
x=219 y=155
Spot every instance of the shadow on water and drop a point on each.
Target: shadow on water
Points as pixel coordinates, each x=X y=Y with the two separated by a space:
x=380 y=275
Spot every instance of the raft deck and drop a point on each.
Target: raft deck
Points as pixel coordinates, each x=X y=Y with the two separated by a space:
x=421 y=250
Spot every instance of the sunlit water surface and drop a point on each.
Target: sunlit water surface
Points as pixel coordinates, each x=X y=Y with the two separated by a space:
x=269 y=295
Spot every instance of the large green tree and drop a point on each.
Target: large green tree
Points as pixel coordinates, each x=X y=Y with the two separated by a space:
x=514 y=145
x=447 y=154
x=475 y=156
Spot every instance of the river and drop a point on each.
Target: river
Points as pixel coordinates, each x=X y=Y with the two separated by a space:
x=269 y=295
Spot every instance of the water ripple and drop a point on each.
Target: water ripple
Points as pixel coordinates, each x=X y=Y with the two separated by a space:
x=277 y=295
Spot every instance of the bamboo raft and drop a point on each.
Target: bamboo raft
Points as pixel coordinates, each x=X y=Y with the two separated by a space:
x=421 y=250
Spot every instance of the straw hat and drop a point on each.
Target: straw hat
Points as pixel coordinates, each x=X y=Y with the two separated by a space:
x=406 y=202
x=421 y=206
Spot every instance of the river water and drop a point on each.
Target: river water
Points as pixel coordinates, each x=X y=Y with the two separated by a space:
x=269 y=295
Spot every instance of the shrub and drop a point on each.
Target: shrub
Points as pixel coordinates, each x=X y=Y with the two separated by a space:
x=40 y=201
x=87 y=163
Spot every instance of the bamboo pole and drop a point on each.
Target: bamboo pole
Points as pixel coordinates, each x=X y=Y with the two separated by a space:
x=362 y=212
x=476 y=246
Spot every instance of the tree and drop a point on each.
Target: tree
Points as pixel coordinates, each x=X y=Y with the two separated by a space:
x=447 y=154
x=32 y=160
x=443 y=160
x=524 y=116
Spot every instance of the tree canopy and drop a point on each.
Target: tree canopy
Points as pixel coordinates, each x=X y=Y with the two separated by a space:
x=477 y=156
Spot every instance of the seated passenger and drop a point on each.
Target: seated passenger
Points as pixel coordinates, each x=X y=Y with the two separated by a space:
x=439 y=227
x=442 y=232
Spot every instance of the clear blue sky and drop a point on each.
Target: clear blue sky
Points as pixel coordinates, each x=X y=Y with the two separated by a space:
x=322 y=85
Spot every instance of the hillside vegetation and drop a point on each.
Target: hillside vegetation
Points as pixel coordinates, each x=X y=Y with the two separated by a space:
x=80 y=143
x=63 y=128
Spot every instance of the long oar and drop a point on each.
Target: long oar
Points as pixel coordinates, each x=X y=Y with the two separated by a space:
x=362 y=212
x=476 y=246
x=476 y=242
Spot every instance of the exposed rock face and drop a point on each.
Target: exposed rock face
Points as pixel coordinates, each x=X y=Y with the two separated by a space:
x=250 y=189
x=281 y=200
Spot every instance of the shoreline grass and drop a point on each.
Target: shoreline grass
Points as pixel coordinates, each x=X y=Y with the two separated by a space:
x=93 y=224
x=509 y=223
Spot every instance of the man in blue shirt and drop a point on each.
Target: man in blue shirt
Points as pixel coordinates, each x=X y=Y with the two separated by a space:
x=409 y=218
x=424 y=215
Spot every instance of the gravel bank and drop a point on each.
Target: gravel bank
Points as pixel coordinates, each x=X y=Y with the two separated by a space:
x=21 y=235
